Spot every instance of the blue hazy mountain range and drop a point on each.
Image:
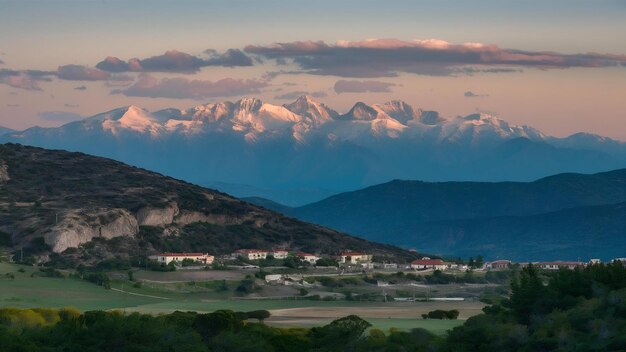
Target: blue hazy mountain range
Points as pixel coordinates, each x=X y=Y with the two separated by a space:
x=566 y=216
x=305 y=151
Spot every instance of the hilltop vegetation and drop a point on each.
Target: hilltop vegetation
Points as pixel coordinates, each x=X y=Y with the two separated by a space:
x=58 y=202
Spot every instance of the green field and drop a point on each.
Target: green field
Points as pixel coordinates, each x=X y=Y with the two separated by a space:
x=25 y=291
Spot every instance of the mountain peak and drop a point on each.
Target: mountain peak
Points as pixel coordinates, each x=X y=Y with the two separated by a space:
x=131 y=118
x=360 y=111
x=399 y=110
x=308 y=107
x=249 y=104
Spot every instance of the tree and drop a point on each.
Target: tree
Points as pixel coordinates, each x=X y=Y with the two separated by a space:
x=260 y=315
x=479 y=261
x=326 y=261
x=340 y=335
x=527 y=293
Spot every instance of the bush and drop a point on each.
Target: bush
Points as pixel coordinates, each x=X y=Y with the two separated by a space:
x=442 y=314
x=99 y=278
x=247 y=286
x=260 y=315
x=188 y=262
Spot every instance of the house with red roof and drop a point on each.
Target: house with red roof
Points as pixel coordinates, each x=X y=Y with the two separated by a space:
x=427 y=263
x=167 y=258
x=308 y=257
x=498 y=265
x=559 y=265
x=354 y=257
x=250 y=254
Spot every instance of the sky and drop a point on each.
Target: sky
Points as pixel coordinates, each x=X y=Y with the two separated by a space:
x=559 y=66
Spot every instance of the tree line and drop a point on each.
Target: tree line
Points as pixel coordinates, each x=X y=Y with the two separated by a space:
x=564 y=310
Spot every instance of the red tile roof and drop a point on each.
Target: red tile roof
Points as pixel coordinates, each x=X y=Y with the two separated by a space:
x=304 y=255
x=182 y=255
x=352 y=253
x=500 y=262
x=250 y=251
x=560 y=263
x=427 y=262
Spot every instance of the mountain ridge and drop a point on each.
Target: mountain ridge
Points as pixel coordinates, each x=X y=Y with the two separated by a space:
x=60 y=203
x=567 y=211
x=307 y=145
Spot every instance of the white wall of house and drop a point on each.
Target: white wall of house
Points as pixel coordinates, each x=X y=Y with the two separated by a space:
x=279 y=254
x=166 y=259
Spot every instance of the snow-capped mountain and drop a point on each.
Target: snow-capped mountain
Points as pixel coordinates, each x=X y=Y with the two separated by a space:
x=307 y=145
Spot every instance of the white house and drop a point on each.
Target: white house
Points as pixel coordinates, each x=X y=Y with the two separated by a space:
x=250 y=254
x=308 y=257
x=559 y=265
x=498 y=265
x=179 y=257
x=279 y=254
x=354 y=257
x=427 y=263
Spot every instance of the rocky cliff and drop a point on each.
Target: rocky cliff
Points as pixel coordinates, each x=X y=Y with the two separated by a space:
x=59 y=202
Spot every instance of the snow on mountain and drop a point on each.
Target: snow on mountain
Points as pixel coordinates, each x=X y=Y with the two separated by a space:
x=308 y=107
x=399 y=110
x=477 y=128
x=134 y=119
x=304 y=120
x=306 y=144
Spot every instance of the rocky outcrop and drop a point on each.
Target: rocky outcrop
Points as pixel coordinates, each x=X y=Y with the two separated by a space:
x=4 y=172
x=157 y=216
x=81 y=226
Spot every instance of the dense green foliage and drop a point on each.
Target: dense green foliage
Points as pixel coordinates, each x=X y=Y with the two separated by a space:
x=567 y=310
x=27 y=330
x=442 y=314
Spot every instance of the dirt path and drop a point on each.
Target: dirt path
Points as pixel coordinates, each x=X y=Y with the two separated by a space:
x=409 y=310
x=137 y=294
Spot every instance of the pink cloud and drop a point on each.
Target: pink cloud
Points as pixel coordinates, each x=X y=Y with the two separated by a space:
x=81 y=73
x=176 y=61
x=388 y=57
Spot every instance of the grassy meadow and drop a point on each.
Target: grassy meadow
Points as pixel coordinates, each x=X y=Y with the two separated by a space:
x=22 y=287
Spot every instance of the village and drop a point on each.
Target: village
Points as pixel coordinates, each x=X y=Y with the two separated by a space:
x=363 y=261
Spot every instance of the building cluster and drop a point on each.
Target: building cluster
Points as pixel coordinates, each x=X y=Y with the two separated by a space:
x=347 y=257
x=364 y=260
x=427 y=263
x=552 y=265
x=167 y=258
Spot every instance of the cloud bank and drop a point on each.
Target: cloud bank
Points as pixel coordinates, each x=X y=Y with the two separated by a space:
x=389 y=57
x=176 y=61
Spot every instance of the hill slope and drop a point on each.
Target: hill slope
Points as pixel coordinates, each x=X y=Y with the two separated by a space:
x=56 y=201
x=491 y=218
